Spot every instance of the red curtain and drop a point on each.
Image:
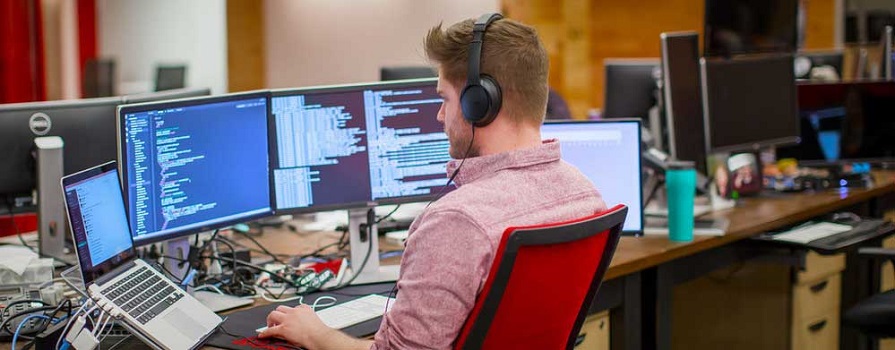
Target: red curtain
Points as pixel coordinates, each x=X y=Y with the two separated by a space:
x=21 y=52
x=87 y=48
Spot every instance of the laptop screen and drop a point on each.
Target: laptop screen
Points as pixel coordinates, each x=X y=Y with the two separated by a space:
x=99 y=224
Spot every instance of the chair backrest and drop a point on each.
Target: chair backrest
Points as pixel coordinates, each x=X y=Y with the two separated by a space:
x=541 y=284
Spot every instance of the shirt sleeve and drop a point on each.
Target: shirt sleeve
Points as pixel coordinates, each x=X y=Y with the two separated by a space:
x=443 y=267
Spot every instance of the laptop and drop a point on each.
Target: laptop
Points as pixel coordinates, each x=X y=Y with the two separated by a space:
x=150 y=305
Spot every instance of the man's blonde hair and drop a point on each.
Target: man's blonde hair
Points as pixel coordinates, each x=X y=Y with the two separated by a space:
x=512 y=54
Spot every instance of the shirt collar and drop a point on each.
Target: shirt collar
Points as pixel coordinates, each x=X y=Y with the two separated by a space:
x=477 y=167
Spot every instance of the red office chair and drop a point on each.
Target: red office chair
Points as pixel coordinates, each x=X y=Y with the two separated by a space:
x=541 y=284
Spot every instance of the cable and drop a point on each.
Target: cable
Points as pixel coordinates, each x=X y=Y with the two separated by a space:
x=361 y=268
x=179 y=280
x=72 y=319
x=261 y=246
x=232 y=252
x=389 y=214
x=316 y=303
x=15 y=226
x=15 y=336
x=249 y=265
x=208 y=286
x=456 y=171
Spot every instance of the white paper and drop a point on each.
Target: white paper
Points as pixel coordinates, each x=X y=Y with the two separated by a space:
x=16 y=258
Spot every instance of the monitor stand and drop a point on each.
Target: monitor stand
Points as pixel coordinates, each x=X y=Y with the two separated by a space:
x=179 y=249
x=362 y=240
x=52 y=223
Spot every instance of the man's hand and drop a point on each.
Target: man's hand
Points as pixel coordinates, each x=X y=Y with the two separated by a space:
x=298 y=325
x=302 y=327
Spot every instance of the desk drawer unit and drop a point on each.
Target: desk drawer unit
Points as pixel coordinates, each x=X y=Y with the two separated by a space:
x=814 y=299
x=817 y=333
x=819 y=266
x=596 y=332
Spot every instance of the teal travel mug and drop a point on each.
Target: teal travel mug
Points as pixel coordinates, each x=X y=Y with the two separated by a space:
x=680 y=187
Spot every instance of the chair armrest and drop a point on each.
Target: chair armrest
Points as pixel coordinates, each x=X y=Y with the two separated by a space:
x=877 y=253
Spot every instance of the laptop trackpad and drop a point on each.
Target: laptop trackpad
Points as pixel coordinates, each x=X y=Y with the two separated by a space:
x=184 y=324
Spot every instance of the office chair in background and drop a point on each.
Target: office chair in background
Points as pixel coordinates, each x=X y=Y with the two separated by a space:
x=542 y=283
x=99 y=78
x=170 y=77
x=874 y=316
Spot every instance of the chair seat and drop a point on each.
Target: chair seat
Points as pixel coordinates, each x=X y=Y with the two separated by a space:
x=874 y=316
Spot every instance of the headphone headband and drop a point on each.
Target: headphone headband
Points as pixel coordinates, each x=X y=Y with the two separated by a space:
x=475 y=46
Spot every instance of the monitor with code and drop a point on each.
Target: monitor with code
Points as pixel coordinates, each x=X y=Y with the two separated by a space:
x=342 y=147
x=194 y=165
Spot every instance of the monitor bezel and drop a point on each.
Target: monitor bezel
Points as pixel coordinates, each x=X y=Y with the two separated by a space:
x=370 y=202
x=188 y=102
x=638 y=123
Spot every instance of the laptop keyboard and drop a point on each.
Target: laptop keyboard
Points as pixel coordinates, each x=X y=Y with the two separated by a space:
x=143 y=294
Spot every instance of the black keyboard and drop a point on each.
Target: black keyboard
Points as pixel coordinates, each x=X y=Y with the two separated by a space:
x=143 y=294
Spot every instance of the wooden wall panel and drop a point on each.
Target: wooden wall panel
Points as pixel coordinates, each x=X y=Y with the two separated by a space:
x=246 y=69
x=820 y=24
x=624 y=29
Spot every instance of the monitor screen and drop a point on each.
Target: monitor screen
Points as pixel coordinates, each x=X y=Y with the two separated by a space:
x=845 y=122
x=750 y=26
x=608 y=153
x=98 y=220
x=630 y=88
x=683 y=98
x=194 y=165
x=749 y=102
x=383 y=139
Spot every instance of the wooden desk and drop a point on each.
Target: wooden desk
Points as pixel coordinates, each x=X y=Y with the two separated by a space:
x=644 y=269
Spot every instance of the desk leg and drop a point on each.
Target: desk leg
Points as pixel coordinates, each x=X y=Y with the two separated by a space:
x=625 y=322
x=664 y=291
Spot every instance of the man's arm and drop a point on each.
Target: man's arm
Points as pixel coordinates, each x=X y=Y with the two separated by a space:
x=302 y=327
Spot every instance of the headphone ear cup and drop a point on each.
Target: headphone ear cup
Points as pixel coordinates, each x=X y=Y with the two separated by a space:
x=495 y=99
x=474 y=103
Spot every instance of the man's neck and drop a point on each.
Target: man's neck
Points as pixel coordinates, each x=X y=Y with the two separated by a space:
x=506 y=137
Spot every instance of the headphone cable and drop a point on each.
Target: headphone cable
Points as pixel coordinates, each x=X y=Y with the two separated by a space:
x=456 y=171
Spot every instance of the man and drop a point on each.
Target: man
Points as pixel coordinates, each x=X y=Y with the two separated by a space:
x=506 y=176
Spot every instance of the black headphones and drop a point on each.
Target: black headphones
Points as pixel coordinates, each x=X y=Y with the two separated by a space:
x=481 y=97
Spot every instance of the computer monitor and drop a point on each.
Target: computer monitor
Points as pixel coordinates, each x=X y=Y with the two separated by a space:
x=630 y=88
x=382 y=138
x=750 y=26
x=749 y=102
x=170 y=77
x=194 y=165
x=98 y=79
x=406 y=72
x=87 y=128
x=167 y=95
x=842 y=122
x=608 y=153
x=683 y=97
